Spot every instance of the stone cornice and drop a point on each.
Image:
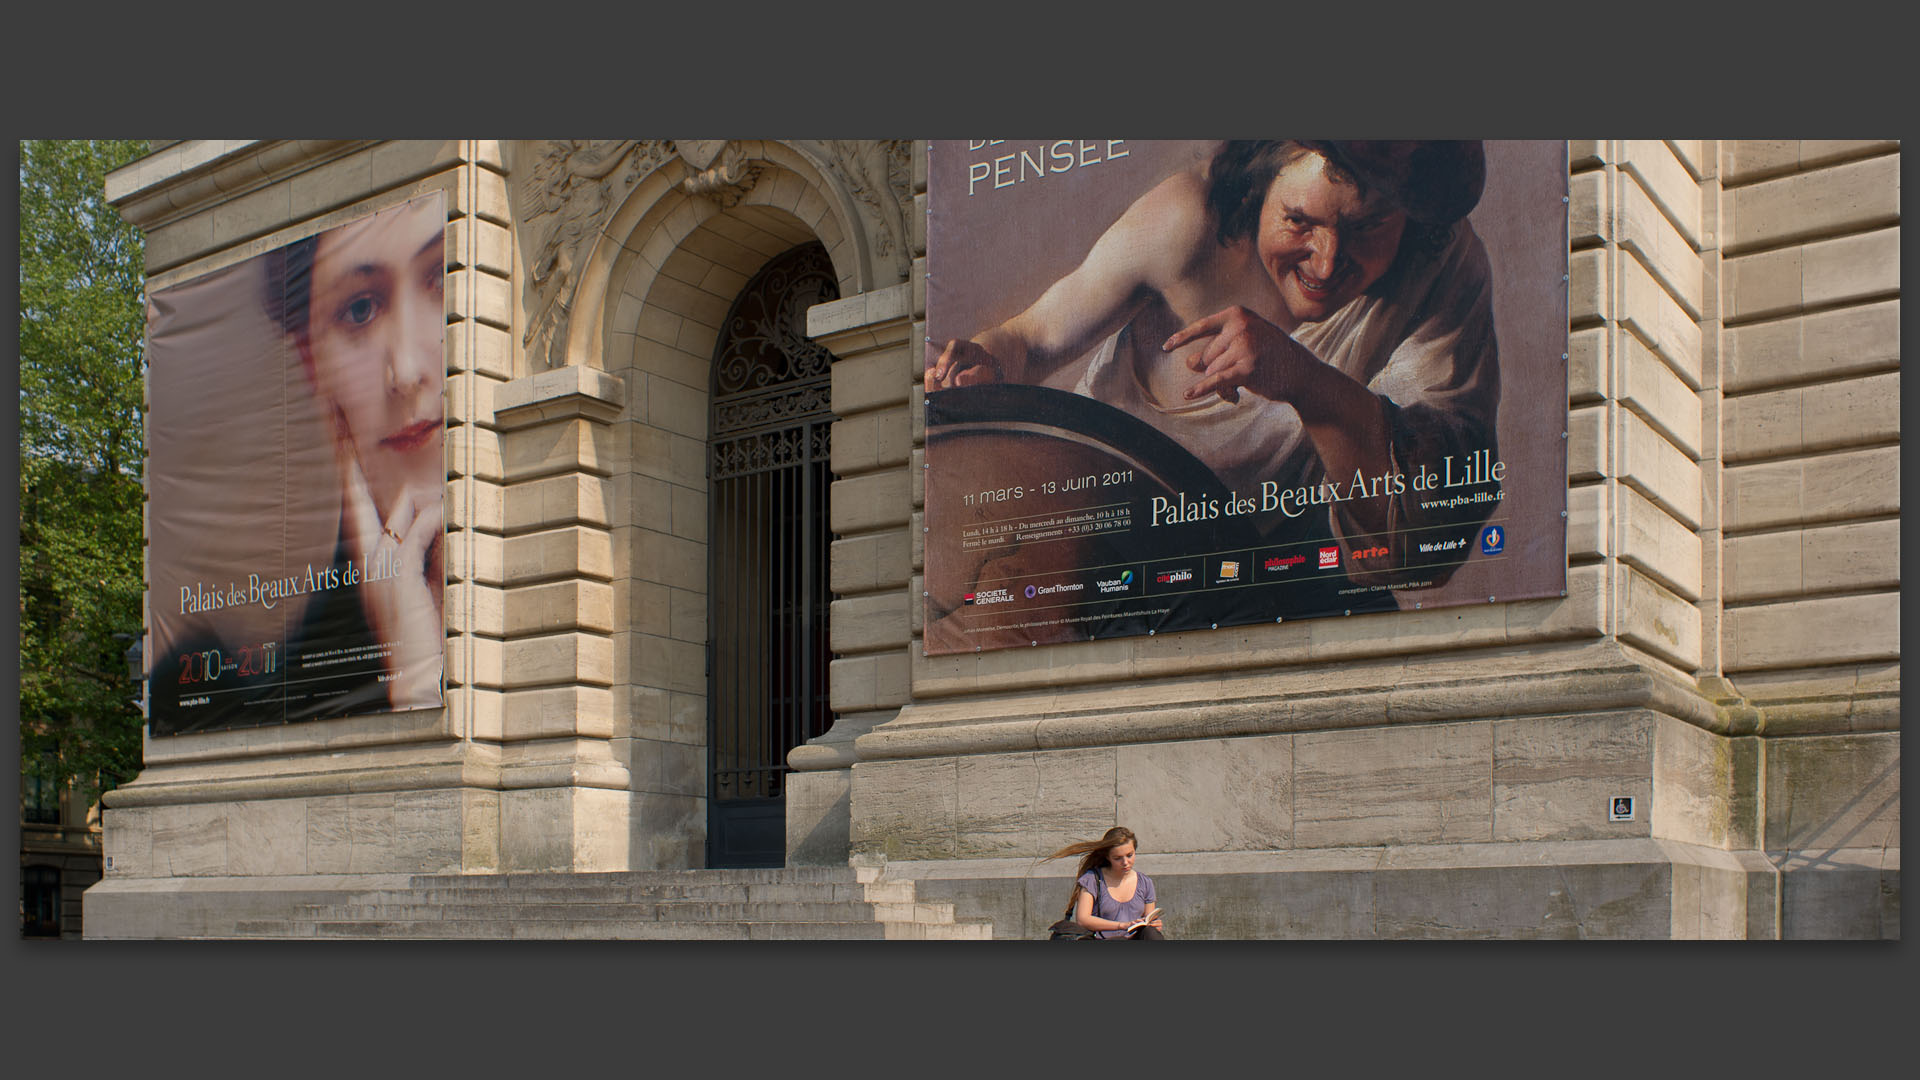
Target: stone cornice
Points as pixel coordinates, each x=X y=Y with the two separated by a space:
x=424 y=768
x=863 y=322
x=1599 y=677
x=560 y=394
x=192 y=175
x=835 y=749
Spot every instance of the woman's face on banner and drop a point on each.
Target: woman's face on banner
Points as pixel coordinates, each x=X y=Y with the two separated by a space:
x=376 y=325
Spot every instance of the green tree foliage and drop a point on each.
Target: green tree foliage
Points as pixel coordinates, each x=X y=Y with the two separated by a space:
x=81 y=439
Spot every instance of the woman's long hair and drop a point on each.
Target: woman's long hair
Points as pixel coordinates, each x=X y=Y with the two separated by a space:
x=1093 y=855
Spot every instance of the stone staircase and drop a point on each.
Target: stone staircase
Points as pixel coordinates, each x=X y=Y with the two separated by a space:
x=850 y=903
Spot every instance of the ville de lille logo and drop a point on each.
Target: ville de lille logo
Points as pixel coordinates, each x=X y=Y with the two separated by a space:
x=1493 y=540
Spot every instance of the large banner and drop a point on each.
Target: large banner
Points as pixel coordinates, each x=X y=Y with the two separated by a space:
x=296 y=480
x=1181 y=385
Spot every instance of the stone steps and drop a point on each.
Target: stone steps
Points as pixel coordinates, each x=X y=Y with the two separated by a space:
x=778 y=876
x=675 y=911
x=808 y=892
x=802 y=903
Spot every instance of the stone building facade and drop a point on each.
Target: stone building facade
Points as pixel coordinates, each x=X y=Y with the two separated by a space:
x=1727 y=652
x=59 y=857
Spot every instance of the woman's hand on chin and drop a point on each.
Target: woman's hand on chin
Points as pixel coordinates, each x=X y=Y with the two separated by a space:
x=400 y=556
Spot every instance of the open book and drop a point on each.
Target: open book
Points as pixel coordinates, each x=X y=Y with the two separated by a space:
x=1153 y=912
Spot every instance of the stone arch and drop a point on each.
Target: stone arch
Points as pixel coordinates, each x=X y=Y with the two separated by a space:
x=783 y=185
x=655 y=291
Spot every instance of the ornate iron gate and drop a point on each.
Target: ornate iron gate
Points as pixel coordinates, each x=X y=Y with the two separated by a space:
x=766 y=554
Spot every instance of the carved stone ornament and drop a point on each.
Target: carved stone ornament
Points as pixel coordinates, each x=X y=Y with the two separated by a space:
x=566 y=199
x=699 y=153
x=575 y=185
x=878 y=173
x=724 y=181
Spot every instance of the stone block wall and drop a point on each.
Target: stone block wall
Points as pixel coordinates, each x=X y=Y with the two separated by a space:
x=1726 y=652
x=586 y=288
x=1636 y=373
x=563 y=799
x=405 y=791
x=870 y=619
x=1810 y=283
x=518 y=770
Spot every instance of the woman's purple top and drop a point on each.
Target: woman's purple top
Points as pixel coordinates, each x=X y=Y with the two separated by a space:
x=1106 y=907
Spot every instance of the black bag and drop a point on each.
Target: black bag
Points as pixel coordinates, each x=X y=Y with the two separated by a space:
x=1068 y=930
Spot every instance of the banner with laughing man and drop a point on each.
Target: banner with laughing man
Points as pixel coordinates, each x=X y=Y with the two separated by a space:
x=1186 y=385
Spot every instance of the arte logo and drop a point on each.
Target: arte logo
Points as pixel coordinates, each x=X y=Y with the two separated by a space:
x=1277 y=562
x=1369 y=553
x=1329 y=557
x=1172 y=577
x=1229 y=570
x=1493 y=540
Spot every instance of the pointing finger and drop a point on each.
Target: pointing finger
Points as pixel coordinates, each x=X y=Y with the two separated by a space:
x=1224 y=375
x=1197 y=329
x=1219 y=343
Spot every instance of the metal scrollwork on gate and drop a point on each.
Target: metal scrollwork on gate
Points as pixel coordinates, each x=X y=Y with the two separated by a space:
x=766 y=343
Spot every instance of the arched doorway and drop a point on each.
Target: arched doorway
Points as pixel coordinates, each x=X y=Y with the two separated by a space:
x=767 y=552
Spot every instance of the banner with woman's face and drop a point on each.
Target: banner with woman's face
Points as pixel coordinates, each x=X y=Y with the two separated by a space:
x=296 y=479
x=1188 y=385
